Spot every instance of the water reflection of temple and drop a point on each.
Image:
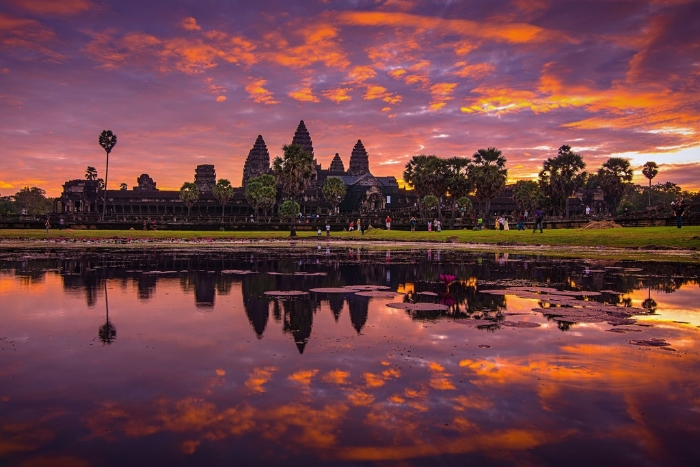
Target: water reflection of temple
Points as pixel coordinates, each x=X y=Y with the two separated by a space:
x=199 y=276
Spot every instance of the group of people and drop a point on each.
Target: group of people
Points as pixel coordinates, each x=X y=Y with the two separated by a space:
x=359 y=226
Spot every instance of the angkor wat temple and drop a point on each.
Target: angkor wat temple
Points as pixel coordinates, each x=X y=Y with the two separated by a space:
x=365 y=192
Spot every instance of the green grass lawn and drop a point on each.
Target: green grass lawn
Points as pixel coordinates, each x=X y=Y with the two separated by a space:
x=637 y=237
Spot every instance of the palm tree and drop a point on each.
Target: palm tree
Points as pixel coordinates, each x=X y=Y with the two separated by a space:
x=293 y=173
x=489 y=175
x=650 y=171
x=189 y=194
x=334 y=191
x=223 y=192
x=107 y=140
x=90 y=173
x=459 y=183
x=615 y=175
x=561 y=176
x=123 y=187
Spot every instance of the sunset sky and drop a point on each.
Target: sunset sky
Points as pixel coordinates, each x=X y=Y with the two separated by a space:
x=187 y=82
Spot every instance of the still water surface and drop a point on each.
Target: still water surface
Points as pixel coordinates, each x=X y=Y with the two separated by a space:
x=180 y=358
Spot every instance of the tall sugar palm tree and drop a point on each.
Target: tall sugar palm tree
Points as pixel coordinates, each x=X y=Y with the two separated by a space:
x=293 y=173
x=107 y=140
x=489 y=175
x=650 y=170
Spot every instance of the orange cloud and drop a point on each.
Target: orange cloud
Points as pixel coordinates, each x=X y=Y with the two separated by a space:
x=360 y=74
x=337 y=94
x=20 y=33
x=304 y=94
x=303 y=377
x=380 y=92
x=62 y=7
x=258 y=93
x=319 y=46
x=514 y=33
x=336 y=377
x=477 y=70
x=442 y=93
x=191 y=24
x=259 y=377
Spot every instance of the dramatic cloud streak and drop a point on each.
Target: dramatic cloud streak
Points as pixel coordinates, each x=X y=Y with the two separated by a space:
x=187 y=83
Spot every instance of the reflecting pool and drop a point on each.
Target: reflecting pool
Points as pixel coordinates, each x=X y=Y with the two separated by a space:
x=413 y=357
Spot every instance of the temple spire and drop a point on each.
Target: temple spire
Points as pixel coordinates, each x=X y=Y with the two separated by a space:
x=303 y=139
x=258 y=161
x=337 y=165
x=359 y=160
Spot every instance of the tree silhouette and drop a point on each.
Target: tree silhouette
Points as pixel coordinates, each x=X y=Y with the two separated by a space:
x=489 y=175
x=123 y=187
x=90 y=173
x=107 y=140
x=615 y=175
x=459 y=182
x=107 y=332
x=650 y=170
x=223 y=192
x=334 y=191
x=561 y=176
x=293 y=172
x=189 y=194
x=261 y=192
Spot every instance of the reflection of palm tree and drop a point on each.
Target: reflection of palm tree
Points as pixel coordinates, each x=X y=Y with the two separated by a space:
x=649 y=304
x=107 y=332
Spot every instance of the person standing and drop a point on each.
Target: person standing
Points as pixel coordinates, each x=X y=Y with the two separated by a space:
x=479 y=223
x=60 y=224
x=388 y=222
x=47 y=225
x=588 y=210
x=539 y=217
x=439 y=226
x=679 y=211
x=430 y=226
x=413 y=224
x=328 y=229
x=352 y=226
x=435 y=221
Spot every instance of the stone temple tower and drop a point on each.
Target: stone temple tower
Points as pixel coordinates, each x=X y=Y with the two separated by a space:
x=258 y=161
x=359 y=160
x=337 y=165
x=205 y=178
x=303 y=139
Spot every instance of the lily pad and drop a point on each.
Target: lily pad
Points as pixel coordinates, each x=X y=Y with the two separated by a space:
x=367 y=287
x=376 y=293
x=286 y=293
x=418 y=306
x=519 y=324
x=331 y=290
x=429 y=294
x=237 y=271
x=653 y=342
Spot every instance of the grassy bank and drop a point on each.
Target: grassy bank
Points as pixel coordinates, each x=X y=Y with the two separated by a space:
x=647 y=238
